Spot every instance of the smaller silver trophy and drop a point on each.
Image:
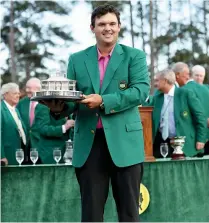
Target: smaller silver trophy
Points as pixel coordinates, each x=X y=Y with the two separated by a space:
x=177 y=144
x=68 y=155
x=57 y=87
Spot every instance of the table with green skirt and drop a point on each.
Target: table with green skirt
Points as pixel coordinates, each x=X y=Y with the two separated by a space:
x=179 y=191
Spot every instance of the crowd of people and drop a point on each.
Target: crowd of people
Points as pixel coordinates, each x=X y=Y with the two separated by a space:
x=181 y=108
x=29 y=125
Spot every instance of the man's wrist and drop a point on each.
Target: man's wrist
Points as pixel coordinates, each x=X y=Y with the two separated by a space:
x=102 y=107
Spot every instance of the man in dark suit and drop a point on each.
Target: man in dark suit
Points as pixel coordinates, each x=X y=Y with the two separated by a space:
x=108 y=139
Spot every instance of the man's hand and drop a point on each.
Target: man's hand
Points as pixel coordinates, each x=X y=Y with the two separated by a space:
x=54 y=105
x=69 y=124
x=208 y=122
x=5 y=161
x=200 y=145
x=92 y=100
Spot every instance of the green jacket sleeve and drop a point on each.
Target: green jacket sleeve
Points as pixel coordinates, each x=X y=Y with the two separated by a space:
x=2 y=142
x=137 y=91
x=71 y=75
x=43 y=122
x=199 y=117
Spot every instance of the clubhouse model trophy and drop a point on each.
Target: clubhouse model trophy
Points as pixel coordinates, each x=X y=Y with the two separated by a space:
x=57 y=88
x=178 y=143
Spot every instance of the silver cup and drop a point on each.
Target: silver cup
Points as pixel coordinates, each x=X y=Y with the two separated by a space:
x=177 y=144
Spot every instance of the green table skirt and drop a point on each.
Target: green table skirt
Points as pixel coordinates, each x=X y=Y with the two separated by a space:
x=179 y=191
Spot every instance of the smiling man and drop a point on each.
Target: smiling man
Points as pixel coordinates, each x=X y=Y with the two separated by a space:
x=13 y=132
x=108 y=140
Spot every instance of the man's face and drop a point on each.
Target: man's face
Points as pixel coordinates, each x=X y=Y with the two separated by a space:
x=30 y=89
x=12 y=97
x=182 y=77
x=159 y=83
x=106 y=29
x=199 y=77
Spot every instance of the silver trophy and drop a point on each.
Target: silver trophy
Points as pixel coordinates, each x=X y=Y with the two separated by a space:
x=57 y=87
x=177 y=144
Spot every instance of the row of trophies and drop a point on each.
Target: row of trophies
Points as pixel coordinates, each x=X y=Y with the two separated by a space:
x=57 y=154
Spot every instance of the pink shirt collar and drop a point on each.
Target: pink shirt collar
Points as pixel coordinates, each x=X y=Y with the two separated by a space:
x=100 y=55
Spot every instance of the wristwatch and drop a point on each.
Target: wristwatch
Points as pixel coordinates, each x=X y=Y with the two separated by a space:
x=102 y=106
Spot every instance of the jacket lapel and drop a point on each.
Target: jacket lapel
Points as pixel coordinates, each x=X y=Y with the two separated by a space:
x=115 y=60
x=9 y=115
x=23 y=125
x=158 y=107
x=176 y=107
x=93 y=68
x=27 y=107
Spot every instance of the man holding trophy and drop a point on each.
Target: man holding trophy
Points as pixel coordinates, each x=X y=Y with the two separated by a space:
x=108 y=138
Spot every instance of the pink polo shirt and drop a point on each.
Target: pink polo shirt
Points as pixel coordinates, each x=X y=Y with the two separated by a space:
x=102 y=62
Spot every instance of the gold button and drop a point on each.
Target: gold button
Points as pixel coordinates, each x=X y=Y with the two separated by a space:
x=92 y=131
x=112 y=111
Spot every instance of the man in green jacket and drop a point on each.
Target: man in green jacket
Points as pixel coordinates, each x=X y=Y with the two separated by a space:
x=177 y=112
x=200 y=91
x=108 y=136
x=13 y=132
x=26 y=109
x=53 y=133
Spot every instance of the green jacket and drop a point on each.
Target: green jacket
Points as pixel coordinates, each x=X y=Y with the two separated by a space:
x=51 y=135
x=125 y=86
x=10 y=138
x=24 y=107
x=202 y=94
x=189 y=119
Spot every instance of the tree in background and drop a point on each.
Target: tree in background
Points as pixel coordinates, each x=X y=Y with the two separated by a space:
x=29 y=38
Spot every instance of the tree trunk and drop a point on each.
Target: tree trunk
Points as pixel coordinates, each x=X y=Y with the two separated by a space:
x=205 y=25
x=27 y=70
x=131 y=22
x=142 y=24
x=155 y=35
x=169 y=28
x=152 y=65
x=11 y=43
x=191 y=32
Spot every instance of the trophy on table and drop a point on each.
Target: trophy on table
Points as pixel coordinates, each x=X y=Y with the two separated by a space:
x=177 y=144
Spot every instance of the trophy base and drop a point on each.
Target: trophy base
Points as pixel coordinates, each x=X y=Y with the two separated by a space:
x=57 y=95
x=176 y=156
x=50 y=97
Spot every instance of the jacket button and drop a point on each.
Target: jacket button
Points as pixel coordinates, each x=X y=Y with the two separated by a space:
x=112 y=111
x=92 y=131
x=97 y=114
